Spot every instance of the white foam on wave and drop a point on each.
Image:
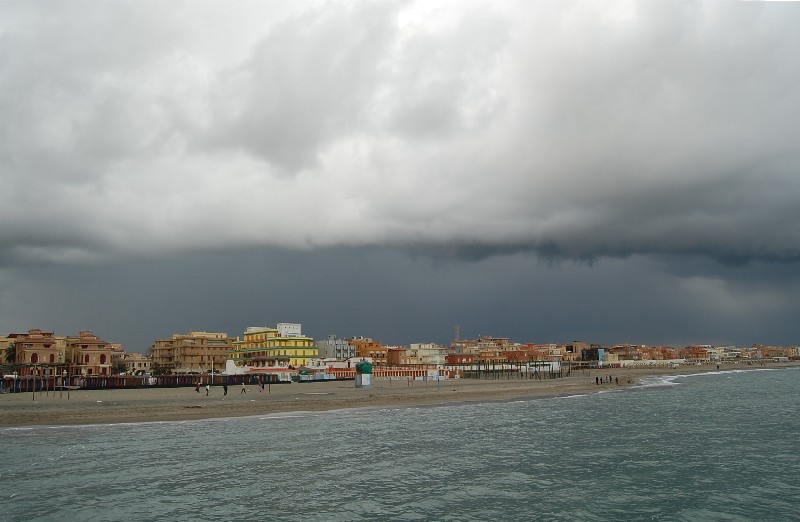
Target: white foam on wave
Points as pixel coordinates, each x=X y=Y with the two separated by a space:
x=279 y=416
x=738 y=370
x=659 y=381
x=670 y=380
x=572 y=396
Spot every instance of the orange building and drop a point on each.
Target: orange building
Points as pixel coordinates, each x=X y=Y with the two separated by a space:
x=48 y=354
x=695 y=353
x=40 y=348
x=366 y=347
x=460 y=358
x=476 y=346
x=194 y=352
x=90 y=355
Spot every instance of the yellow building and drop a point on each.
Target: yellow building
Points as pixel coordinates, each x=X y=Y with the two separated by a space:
x=280 y=347
x=136 y=363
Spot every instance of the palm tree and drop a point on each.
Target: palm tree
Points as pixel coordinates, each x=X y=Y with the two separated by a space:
x=118 y=367
x=11 y=353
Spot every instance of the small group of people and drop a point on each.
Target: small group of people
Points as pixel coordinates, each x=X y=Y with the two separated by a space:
x=224 y=388
x=606 y=380
x=260 y=385
x=197 y=388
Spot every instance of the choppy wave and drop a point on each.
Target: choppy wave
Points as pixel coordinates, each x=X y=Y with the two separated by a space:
x=682 y=450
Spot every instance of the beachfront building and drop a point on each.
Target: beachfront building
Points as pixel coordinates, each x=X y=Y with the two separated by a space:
x=333 y=348
x=695 y=353
x=483 y=344
x=281 y=347
x=324 y=363
x=426 y=353
x=366 y=347
x=37 y=351
x=453 y=359
x=88 y=354
x=573 y=351
x=774 y=352
x=629 y=352
x=136 y=363
x=194 y=352
x=418 y=353
x=44 y=353
x=544 y=352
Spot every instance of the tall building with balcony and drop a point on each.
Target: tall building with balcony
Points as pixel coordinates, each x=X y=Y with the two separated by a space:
x=333 y=348
x=280 y=347
x=194 y=352
x=367 y=347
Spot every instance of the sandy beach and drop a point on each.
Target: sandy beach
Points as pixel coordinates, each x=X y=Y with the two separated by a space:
x=170 y=404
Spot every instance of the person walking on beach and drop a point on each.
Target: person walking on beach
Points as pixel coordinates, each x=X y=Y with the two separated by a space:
x=197 y=387
x=262 y=386
x=208 y=388
x=244 y=390
x=224 y=388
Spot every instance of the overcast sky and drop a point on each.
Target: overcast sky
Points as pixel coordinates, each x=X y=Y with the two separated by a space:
x=545 y=171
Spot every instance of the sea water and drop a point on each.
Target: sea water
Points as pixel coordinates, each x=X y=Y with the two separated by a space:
x=718 y=446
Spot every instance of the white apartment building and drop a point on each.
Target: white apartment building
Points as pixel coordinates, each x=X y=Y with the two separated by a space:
x=334 y=348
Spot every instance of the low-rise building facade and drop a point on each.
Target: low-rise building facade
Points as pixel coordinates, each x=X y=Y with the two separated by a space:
x=88 y=354
x=38 y=351
x=136 y=363
x=44 y=353
x=426 y=353
x=194 y=352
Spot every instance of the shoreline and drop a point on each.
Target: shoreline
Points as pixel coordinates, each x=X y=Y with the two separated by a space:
x=124 y=406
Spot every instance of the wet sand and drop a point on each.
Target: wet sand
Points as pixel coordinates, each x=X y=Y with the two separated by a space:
x=171 y=404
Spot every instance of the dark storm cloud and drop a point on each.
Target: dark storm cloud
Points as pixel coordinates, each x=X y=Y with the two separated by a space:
x=399 y=299
x=575 y=131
